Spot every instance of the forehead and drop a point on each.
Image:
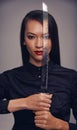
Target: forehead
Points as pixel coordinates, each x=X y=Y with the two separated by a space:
x=35 y=26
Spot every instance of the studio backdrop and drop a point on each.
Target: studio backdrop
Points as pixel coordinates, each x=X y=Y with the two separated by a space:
x=11 y=15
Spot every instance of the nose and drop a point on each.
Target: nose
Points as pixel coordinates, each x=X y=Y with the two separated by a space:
x=39 y=42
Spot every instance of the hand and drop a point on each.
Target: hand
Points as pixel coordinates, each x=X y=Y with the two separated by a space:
x=34 y=102
x=39 y=102
x=43 y=119
x=46 y=121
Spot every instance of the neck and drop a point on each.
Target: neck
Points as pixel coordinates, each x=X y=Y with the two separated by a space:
x=37 y=63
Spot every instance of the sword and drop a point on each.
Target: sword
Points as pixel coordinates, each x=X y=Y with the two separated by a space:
x=44 y=84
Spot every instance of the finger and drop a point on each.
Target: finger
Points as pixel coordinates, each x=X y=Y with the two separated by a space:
x=45 y=98
x=39 y=113
x=39 y=117
x=47 y=95
x=43 y=109
x=40 y=123
x=44 y=104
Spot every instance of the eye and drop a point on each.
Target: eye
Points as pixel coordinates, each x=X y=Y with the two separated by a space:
x=46 y=36
x=31 y=37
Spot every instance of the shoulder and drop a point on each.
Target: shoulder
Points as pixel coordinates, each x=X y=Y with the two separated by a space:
x=62 y=71
x=13 y=72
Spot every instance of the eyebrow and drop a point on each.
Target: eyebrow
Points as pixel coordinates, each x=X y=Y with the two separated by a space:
x=31 y=33
x=36 y=34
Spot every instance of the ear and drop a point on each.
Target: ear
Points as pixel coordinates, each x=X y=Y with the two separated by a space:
x=24 y=43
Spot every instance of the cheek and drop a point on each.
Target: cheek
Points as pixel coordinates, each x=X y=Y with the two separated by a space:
x=27 y=43
x=29 y=46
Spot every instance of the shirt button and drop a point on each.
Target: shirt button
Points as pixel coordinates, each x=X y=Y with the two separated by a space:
x=39 y=76
x=38 y=68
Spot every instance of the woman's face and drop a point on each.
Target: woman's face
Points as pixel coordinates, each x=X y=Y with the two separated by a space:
x=35 y=39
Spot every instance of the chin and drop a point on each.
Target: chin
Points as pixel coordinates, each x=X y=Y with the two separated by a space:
x=39 y=60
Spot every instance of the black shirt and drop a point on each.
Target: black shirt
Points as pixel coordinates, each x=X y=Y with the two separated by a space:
x=26 y=80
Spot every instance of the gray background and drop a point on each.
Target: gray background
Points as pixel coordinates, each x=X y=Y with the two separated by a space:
x=11 y=14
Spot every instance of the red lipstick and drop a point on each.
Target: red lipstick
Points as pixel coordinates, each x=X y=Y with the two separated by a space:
x=39 y=52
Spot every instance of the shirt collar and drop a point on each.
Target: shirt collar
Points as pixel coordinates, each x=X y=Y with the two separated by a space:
x=35 y=69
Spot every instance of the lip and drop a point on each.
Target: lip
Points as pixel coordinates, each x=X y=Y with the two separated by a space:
x=39 y=52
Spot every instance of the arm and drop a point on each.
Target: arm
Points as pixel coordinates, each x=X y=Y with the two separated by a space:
x=4 y=93
x=45 y=120
x=34 y=102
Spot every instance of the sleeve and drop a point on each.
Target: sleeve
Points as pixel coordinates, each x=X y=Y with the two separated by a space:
x=4 y=93
x=3 y=106
x=74 y=102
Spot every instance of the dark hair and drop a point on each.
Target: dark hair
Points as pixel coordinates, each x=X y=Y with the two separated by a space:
x=53 y=33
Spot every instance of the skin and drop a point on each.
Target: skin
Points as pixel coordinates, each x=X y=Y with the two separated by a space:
x=35 y=102
x=46 y=121
x=35 y=40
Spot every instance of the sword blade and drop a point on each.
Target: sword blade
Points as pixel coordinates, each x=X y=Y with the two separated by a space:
x=44 y=84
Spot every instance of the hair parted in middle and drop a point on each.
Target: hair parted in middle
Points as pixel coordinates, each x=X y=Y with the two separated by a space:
x=53 y=34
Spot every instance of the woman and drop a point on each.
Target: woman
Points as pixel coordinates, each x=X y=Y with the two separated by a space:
x=20 y=88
